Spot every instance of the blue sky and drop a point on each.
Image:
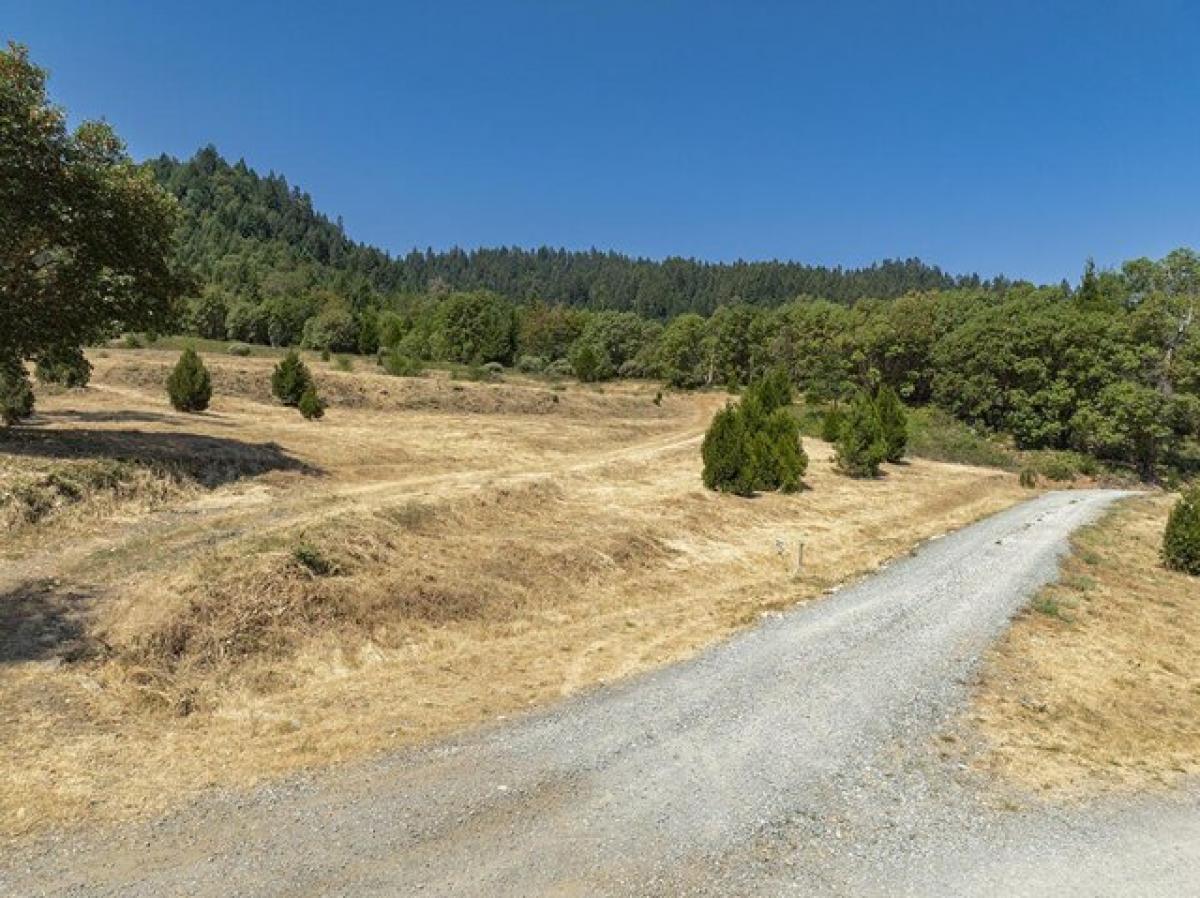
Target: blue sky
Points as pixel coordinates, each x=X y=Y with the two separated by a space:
x=993 y=137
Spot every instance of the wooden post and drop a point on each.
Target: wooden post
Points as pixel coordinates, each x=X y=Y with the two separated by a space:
x=799 y=558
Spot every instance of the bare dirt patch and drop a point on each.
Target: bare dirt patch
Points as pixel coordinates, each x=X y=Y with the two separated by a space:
x=1097 y=685
x=413 y=569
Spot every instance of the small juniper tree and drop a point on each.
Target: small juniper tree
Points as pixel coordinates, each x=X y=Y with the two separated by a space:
x=1181 y=540
x=189 y=385
x=831 y=424
x=310 y=404
x=893 y=420
x=64 y=365
x=725 y=454
x=780 y=461
x=861 y=448
x=290 y=379
x=16 y=396
x=756 y=444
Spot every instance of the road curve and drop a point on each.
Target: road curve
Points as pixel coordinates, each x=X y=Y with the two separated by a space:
x=793 y=759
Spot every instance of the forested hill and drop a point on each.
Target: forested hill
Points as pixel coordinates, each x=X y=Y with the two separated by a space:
x=257 y=236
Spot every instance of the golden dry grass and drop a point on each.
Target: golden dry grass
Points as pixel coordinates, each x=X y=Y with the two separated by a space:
x=1097 y=685
x=479 y=549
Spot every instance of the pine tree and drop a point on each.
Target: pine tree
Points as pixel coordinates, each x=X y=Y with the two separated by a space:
x=893 y=419
x=861 y=448
x=290 y=379
x=189 y=385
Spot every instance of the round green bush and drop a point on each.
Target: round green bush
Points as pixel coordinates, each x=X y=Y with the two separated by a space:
x=531 y=364
x=398 y=364
x=1181 y=539
x=189 y=386
x=238 y=349
x=64 y=365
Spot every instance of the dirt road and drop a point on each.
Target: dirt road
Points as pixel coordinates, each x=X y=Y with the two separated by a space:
x=796 y=758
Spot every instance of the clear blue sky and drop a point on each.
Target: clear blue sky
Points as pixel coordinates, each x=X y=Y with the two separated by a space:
x=1015 y=137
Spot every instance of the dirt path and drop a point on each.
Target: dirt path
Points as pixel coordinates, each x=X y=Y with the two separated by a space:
x=793 y=759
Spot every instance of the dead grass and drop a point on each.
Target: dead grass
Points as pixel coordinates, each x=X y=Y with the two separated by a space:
x=427 y=569
x=1097 y=686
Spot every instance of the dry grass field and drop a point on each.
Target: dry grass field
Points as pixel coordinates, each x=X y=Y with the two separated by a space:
x=243 y=593
x=1097 y=685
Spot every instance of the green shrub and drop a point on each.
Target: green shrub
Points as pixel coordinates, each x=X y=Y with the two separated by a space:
x=587 y=363
x=1028 y=478
x=531 y=364
x=189 y=386
x=238 y=349
x=16 y=395
x=559 y=368
x=725 y=454
x=1057 y=466
x=893 y=421
x=131 y=341
x=310 y=403
x=861 y=448
x=399 y=365
x=772 y=391
x=290 y=379
x=64 y=365
x=779 y=461
x=1181 y=539
x=831 y=424
x=749 y=447
x=325 y=354
x=314 y=561
x=494 y=370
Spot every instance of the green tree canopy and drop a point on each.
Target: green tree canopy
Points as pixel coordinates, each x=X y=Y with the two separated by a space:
x=86 y=237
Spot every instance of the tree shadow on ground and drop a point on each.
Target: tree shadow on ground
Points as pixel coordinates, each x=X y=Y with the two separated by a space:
x=207 y=460
x=118 y=417
x=40 y=622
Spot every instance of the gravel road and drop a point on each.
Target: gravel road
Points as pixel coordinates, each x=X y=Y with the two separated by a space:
x=795 y=759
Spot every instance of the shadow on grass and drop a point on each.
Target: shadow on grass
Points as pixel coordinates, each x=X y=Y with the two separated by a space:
x=207 y=460
x=117 y=417
x=38 y=622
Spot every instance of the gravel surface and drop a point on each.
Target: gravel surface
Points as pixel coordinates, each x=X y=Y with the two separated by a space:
x=795 y=759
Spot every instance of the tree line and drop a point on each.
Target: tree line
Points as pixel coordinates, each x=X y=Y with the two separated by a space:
x=258 y=240
x=92 y=245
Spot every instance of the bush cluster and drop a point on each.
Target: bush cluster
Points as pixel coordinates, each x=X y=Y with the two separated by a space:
x=755 y=445
x=1181 y=540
